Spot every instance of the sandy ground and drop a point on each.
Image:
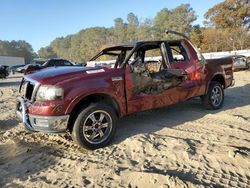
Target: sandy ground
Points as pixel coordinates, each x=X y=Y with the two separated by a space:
x=177 y=146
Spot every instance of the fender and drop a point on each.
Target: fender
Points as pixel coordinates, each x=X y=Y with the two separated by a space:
x=120 y=103
x=219 y=76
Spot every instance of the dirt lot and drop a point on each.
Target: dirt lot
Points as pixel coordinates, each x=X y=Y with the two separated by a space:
x=178 y=146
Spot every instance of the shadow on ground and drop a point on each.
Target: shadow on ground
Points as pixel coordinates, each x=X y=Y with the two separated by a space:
x=9 y=84
x=8 y=124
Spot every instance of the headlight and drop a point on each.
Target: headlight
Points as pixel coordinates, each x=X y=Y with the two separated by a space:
x=45 y=93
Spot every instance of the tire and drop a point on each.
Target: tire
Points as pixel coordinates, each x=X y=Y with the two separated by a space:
x=94 y=126
x=2 y=75
x=214 y=98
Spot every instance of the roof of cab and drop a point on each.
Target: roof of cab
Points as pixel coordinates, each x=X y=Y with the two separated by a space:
x=131 y=45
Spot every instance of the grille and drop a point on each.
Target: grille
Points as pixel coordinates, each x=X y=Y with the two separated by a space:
x=28 y=90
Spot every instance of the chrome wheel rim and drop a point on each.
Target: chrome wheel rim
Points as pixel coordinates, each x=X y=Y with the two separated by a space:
x=97 y=127
x=216 y=96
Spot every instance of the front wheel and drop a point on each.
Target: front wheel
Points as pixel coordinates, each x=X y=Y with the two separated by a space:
x=94 y=126
x=214 y=98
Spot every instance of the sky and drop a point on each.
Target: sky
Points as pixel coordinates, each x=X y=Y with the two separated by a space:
x=41 y=21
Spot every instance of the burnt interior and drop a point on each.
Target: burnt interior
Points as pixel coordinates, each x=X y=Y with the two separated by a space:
x=154 y=76
x=149 y=75
x=145 y=82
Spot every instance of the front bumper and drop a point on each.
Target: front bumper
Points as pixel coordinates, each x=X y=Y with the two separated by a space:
x=51 y=124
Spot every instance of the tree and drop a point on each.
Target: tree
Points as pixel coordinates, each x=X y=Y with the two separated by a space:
x=5 y=48
x=86 y=43
x=145 y=30
x=179 y=19
x=196 y=35
x=119 y=30
x=132 y=27
x=60 y=46
x=237 y=38
x=132 y=19
x=229 y=14
x=211 y=40
x=47 y=52
x=232 y=19
x=18 y=48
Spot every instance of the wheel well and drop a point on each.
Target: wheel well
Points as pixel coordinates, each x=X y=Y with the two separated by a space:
x=95 y=98
x=219 y=78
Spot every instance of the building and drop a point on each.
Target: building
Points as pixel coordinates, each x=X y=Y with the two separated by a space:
x=11 y=61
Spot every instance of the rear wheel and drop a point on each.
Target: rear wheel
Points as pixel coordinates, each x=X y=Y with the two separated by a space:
x=214 y=98
x=94 y=126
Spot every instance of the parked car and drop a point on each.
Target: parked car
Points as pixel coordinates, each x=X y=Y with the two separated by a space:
x=87 y=101
x=248 y=61
x=4 y=72
x=20 y=69
x=39 y=61
x=240 y=62
x=35 y=62
x=15 y=68
x=54 y=62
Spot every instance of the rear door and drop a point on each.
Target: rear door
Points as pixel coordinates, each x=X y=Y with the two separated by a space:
x=184 y=56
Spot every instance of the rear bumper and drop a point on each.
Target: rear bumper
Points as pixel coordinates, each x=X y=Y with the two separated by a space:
x=50 y=124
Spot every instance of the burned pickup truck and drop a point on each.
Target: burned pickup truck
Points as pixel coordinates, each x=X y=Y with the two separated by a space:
x=87 y=101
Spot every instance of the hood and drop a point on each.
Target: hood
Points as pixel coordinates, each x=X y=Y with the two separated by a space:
x=55 y=75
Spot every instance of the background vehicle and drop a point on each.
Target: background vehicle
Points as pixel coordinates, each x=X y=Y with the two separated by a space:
x=21 y=69
x=4 y=72
x=240 y=62
x=35 y=62
x=39 y=61
x=38 y=65
x=87 y=101
x=15 y=68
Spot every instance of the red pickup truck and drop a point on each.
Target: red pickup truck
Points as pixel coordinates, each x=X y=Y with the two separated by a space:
x=87 y=101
